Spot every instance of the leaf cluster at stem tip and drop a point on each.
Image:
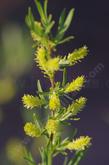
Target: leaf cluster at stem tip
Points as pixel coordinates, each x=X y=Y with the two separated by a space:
x=42 y=31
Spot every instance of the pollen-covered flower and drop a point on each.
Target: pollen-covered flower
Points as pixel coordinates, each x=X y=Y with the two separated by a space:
x=30 y=101
x=80 y=143
x=75 y=85
x=54 y=102
x=52 y=126
x=41 y=58
x=77 y=105
x=31 y=130
x=77 y=55
x=47 y=64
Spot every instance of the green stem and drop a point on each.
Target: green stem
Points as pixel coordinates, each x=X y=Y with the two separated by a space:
x=51 y=137
x=49 y=158
x=52 y=82
x=64 y=77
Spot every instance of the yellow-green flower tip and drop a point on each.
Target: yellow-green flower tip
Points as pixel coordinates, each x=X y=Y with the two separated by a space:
x=75 y=85
x=52 y=126
x=30 y=101
x=80 y=143
x=54 y=102
x=77 y=55
x=41 y=58
x=77 y=105
x=32 y=130
x=46 y=64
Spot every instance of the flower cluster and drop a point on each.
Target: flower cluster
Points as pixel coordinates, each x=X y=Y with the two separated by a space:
x=30 y=101
x=72 y=58
x=52 y=126
x=77 y=105
x=75 y=85
x=50 y=104
x=31 y=130
x=54 y=102
x=47 y=64
x=79 y=144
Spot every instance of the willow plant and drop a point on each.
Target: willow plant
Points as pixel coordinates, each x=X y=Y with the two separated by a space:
x=58 y=114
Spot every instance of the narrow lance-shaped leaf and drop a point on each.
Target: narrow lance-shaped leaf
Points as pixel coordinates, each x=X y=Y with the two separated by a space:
x=69 y=19
x=62 y=19
x=30 y=19
x=49 y=27
x=79 y=155
x=45 y=7
x=49 y=18
x=36 y=121
x=63 y=25
x=67 y=39
x=40 y=10
x=32 y=24
x=40 y=91
x=28 y=157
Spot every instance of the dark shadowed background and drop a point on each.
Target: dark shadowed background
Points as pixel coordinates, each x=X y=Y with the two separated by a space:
x=18 y=73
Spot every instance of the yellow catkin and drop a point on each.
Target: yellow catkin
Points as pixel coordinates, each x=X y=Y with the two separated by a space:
x=54 y=102
x=75 y=85
x=77 y=55
x=52 y=126
x=41 y=58
x=80 y=143
x=31 y=129
x=30 y=101
x=47 y=64
x=77 y=105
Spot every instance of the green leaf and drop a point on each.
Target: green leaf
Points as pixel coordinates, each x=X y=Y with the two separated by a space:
x=43 y=154
x=66 y=39
x=73 y=133
x=49 y=18
x=62 y=19
x=45 y=7
x=48 y=29
x=63 y=25
x=69 y=19
x=29 y=161
x=32 y=24
x=28 y=157
x=40 y=91
x=39 y=86
x=68 y=97
x=36 y=121
x=40 y=10
x=79 y=155
x=30 y=19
